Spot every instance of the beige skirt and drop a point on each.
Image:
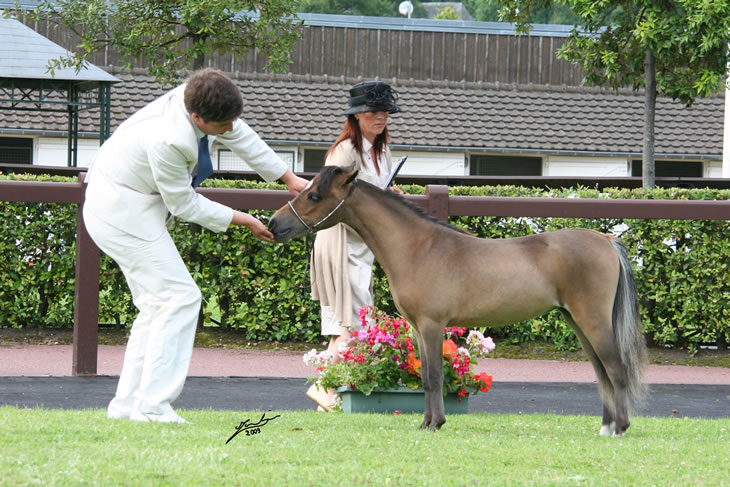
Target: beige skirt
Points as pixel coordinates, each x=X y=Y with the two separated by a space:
x=360 y=273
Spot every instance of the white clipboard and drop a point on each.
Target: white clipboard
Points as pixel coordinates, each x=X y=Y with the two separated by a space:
x=394 y=173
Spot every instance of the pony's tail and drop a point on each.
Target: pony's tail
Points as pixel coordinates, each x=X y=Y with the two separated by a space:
x=628 y=330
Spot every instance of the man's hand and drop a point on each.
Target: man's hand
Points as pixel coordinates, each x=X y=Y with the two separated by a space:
x=294 y=183
x=258 y=229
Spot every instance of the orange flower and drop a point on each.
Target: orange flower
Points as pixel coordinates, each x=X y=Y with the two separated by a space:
x=414 y=365
x=450 y=349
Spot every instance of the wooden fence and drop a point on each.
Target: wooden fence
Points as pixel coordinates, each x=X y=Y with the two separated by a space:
x=436 y=202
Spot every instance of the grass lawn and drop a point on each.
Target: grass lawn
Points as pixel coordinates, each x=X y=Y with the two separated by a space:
x=56 y=447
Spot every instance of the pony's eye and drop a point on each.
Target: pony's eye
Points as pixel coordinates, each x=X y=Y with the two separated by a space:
x=313 y=197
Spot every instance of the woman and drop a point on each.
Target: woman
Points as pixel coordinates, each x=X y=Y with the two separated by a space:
x=342 y=269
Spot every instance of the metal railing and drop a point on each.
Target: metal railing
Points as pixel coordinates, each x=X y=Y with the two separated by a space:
x=436 y=202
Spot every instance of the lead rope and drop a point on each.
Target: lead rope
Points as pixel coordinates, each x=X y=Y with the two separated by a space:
x=310 y=231
x=306 y=266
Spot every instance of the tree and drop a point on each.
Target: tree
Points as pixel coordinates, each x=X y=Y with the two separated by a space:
x=372 y=8
x=674 y=48
x=172 y=36
x=447 y=13
x=488 y=11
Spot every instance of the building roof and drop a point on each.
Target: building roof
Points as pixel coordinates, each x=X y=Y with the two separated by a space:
x=426 y=25
x=24 y=53
x=440 y=115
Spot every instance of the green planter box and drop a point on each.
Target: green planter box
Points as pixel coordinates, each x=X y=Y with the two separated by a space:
x=402 y=399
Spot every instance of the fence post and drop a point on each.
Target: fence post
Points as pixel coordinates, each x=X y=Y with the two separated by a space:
x=86 y=297
x=438 y=201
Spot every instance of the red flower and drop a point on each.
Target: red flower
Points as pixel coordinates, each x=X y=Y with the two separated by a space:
x=486 y=380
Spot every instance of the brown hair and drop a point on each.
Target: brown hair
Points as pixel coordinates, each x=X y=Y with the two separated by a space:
x=351 y=131
x=213 y=96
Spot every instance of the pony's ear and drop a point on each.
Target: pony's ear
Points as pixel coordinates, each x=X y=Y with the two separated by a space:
x=351 y=177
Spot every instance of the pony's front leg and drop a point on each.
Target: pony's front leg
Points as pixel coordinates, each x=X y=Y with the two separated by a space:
x=432 y=374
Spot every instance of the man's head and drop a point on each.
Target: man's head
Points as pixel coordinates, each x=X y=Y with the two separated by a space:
x=213 y=96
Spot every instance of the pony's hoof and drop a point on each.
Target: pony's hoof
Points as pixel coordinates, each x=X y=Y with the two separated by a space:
x=608 y=429
x=430 y=426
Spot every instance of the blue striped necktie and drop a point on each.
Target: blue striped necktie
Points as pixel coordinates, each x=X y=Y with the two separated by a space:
x=205 y=165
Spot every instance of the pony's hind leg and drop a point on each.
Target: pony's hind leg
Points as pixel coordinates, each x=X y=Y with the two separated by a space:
x=430 y=345
x=605 y=385
x=616 y=418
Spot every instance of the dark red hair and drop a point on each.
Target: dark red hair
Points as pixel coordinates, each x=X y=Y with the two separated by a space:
x=351 y=131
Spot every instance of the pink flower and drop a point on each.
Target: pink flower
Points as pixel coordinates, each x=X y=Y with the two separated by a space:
x=383 y=354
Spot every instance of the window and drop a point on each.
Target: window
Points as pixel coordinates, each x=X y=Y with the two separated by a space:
x=228 y=161
x=314 y=159
x=505 y=166
x=16 y=150
x=670 y=169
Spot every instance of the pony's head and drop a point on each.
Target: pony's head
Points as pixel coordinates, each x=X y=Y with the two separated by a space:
x=317 y=207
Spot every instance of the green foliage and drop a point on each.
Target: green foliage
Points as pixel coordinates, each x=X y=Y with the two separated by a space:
x=171 y=36
x=681 y=267
x=37 y=243
x=371 y=8
x=489 y=11
x=689 y=39
x=447 y=13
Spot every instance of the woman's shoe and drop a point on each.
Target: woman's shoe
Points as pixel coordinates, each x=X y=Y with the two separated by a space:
x=320 y=397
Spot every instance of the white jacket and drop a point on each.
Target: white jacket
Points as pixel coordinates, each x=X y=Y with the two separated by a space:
x=142 y=173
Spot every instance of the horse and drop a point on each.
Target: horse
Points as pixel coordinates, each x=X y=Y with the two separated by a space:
x=441 y=275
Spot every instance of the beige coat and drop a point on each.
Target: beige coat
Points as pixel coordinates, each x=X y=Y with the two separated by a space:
x=331 y=284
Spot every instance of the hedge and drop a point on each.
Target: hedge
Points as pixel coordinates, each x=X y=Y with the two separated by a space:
x=681 y=270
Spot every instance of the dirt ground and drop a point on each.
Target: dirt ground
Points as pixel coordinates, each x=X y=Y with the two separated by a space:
x=233 y=339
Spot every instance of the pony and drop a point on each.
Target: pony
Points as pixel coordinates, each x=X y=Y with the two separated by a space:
x=441 y=276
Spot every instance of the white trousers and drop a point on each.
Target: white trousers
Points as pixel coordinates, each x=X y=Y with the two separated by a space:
x=160 y=344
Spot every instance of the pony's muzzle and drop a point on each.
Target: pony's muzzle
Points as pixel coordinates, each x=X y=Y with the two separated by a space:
x=283 y=227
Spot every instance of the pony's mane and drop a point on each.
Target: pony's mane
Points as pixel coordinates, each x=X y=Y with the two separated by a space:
x=324 y=187
x=326 y=175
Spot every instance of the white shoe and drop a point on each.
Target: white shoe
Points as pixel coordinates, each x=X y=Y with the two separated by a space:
x=117 y=415
x=119 y=408
x=168 y=417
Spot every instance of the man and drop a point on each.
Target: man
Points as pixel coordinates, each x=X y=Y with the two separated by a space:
x=142 y=178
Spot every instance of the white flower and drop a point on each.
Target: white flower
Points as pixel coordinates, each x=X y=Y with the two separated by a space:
x=487 y=345
x=309 y=357
x=474 y=337
x=477 y=340
x=317 y=359
x=342 y=348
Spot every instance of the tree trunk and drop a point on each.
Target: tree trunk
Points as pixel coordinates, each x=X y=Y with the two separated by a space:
x=198 y=63
x=648 y=164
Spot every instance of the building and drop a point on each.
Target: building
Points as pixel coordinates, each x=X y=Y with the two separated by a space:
x=477 y=100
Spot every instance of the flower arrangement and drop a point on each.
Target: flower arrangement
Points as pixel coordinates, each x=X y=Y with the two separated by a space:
x=384 y=355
